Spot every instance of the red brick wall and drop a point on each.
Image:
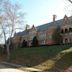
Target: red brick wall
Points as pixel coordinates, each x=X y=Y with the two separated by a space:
x=49 y=34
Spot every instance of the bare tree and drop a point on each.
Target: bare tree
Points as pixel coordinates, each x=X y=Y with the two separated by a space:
x=70 y=1
x=10 y=18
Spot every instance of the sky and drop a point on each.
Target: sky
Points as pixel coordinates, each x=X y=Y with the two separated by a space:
x=39 y=12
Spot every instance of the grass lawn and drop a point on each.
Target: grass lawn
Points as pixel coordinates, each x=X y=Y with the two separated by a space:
x=45 y=58
x=39 y=57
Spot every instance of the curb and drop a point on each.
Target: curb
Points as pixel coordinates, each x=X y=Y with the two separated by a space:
x=28 y=69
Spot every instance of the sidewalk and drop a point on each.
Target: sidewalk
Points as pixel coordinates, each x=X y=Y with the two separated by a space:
x=11 y=70
x=25 y=69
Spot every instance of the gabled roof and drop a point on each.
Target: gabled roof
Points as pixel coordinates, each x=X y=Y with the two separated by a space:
x=45 y=26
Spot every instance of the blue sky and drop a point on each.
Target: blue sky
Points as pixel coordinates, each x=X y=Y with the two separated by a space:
x=39 y=12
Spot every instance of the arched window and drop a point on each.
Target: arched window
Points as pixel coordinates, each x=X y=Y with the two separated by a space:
x=70 y=29
x=66 y=30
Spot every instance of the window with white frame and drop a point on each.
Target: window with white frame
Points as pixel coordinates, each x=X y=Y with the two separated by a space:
x=49 y=36
x=42 y=36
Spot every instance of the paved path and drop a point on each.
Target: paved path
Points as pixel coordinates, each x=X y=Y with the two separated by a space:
x=6 y=68
x=9 y=67
x=11 y=70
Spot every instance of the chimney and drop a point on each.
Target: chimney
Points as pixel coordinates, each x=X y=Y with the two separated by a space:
x=54 y=17
x=27 y=27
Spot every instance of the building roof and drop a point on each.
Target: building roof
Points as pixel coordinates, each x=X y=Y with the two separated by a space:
x=21 y=33
x=45 y=26
x=54 y=24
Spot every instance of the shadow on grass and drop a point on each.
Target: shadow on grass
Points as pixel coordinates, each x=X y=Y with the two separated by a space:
x=62 y=64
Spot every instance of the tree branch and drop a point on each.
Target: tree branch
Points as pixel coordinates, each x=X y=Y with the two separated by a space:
x=70 y=1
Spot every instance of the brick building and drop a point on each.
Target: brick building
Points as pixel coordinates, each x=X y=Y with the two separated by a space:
x=44 y=32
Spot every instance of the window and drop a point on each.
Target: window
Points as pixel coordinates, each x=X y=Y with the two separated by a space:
x=66 y=30
x=42 y=36
x=50 y=36
x=70 y=29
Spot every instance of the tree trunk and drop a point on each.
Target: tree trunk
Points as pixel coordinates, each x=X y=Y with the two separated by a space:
x=8 y=53
x=8 y=49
